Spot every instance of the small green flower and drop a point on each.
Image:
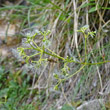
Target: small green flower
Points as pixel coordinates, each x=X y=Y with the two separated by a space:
x=21 y=51
x=29 y=39
x=56 y=87
x=27 y=59
x=92 y=33
x=56 y=76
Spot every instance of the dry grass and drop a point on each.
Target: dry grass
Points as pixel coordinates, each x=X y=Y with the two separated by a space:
x=63 y=19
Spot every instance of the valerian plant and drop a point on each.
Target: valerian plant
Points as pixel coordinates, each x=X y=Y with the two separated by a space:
x=44 y=49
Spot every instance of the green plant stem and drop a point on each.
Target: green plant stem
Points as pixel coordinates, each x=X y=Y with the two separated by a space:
x=54 y=55
x=95 y=63
x=36 y=45
x=85 y=48
x=73 y=74
x=72 y=61
x=34 y=54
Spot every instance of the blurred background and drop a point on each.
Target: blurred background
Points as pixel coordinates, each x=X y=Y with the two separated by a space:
x=28 y=87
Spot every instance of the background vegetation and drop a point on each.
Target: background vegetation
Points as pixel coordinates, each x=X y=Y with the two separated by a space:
x=29 y=87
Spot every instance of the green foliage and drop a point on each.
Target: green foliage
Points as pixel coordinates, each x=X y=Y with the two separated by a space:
x=67 y=107
x=94 y=6
x=12 y=93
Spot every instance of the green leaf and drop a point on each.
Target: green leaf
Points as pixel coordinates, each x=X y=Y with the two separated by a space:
x=91 y=0
x=46 y=1
x=67 y=107
x=4 y=92
x=68 y=20
x=106 y=8
x=1 y=70
x=93 y=9
x=87 y=4
x=56 y=76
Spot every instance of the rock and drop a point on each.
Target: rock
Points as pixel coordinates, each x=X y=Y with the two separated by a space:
x=96 y=104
